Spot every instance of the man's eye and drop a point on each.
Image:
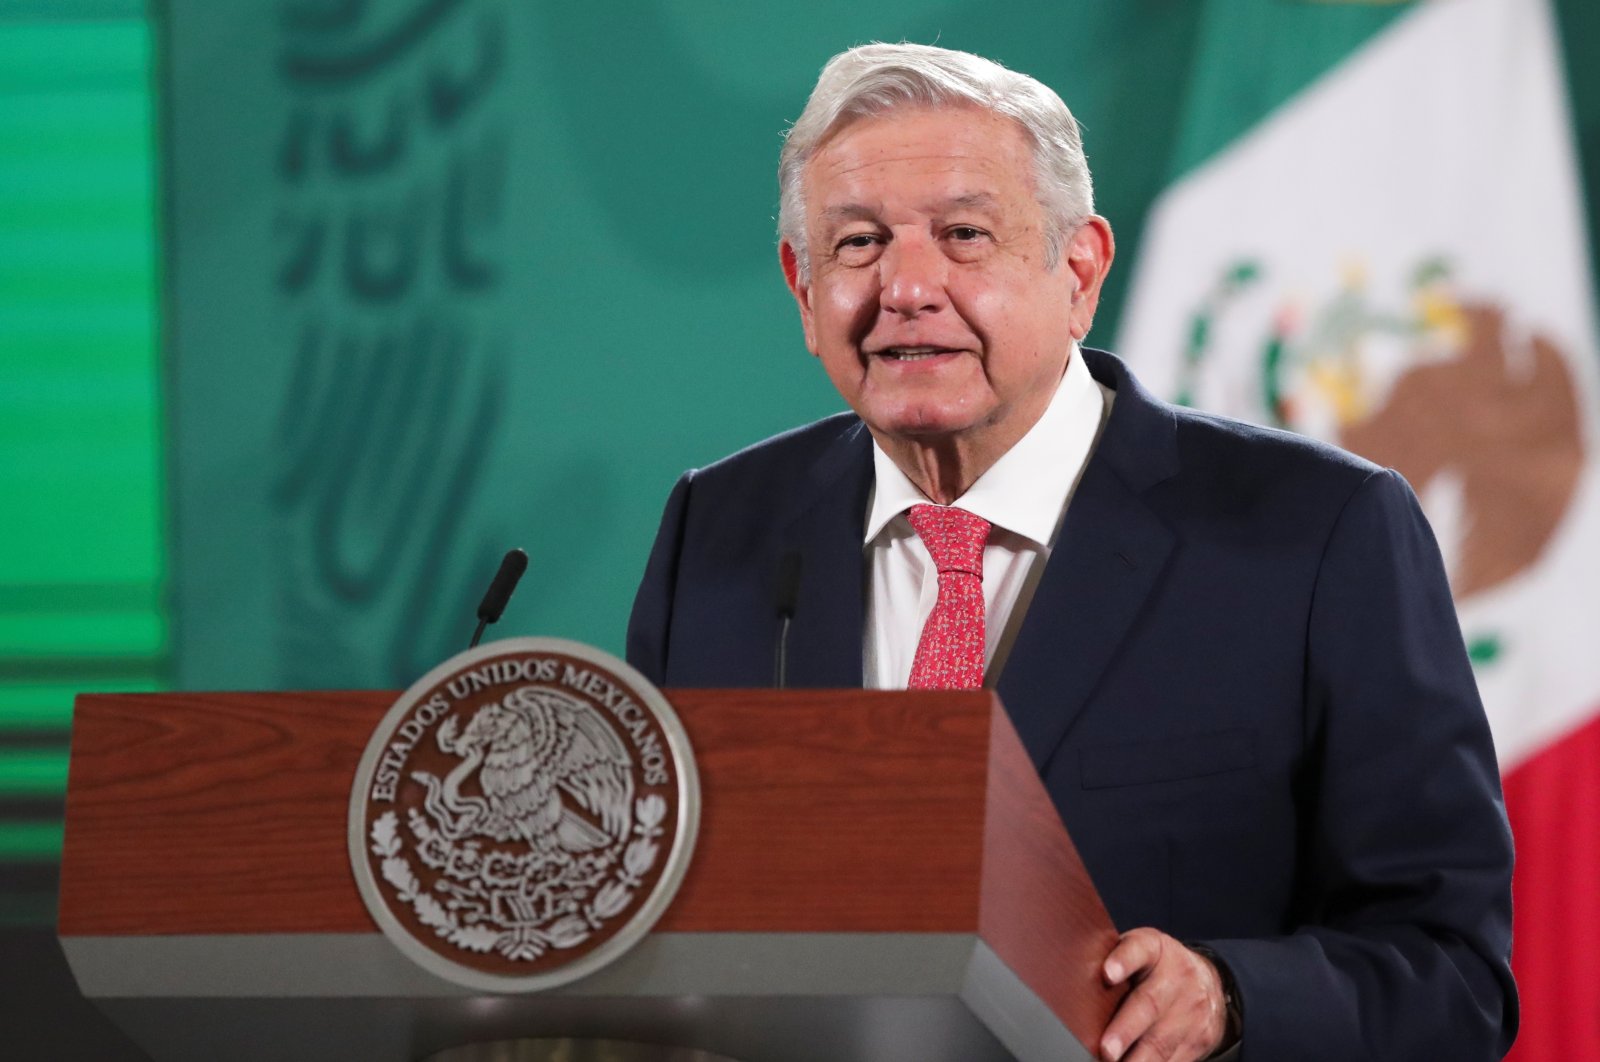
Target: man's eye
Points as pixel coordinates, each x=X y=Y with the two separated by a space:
x=966 y=233
x=859 y=240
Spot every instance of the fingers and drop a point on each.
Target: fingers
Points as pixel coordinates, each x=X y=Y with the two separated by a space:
x=1137 y=951
x=1135 y=954
x=1175 y=1012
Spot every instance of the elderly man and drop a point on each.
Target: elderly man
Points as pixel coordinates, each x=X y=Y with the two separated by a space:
x=1231 y=653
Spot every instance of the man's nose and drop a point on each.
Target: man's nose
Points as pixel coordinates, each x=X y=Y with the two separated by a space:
x=913 y=277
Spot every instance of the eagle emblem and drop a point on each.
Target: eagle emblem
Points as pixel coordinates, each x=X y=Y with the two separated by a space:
x=550 y=771
x=523 y=814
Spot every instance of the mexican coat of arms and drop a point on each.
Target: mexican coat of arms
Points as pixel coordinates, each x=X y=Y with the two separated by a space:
x=523 y=814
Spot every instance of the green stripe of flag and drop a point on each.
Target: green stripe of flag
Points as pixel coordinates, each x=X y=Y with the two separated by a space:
x=1251 y=57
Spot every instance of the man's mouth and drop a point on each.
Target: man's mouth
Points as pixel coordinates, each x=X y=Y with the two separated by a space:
x=913 y=353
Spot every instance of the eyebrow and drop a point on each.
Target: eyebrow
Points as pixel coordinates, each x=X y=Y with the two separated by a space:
x=974 y=201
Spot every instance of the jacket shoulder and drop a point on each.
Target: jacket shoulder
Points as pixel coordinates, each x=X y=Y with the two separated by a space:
x=1150 y=441
x=782 y=455
x=1227 y=441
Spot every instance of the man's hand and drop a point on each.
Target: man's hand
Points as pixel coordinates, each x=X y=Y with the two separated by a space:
x=1176 y=1011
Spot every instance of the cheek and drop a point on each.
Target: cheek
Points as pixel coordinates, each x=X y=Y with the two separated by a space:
x=989 y=310
x=1038 y=313
x=845 y=309
x=1023 y=334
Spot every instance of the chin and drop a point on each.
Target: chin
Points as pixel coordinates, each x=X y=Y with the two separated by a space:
x=922 y=428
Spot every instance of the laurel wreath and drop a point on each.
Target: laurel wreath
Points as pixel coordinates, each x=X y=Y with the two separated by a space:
x=524 y=942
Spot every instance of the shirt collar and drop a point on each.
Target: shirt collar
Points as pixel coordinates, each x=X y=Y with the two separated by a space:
x=1027 y=489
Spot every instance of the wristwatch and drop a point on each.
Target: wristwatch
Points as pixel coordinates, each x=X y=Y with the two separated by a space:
x=1233 y=1027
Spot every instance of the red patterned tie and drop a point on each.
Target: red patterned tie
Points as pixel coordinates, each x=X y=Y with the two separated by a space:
x=950 y=653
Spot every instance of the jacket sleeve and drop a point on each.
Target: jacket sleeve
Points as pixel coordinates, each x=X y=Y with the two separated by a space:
x=1406 y=925
x=650 y=625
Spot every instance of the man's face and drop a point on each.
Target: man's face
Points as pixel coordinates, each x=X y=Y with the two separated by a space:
x=929 y=301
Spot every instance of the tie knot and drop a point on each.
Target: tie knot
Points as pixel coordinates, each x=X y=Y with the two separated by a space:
x=955 y=538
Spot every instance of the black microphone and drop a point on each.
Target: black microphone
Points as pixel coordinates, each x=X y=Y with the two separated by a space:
x=512 y=565
x=788 y=593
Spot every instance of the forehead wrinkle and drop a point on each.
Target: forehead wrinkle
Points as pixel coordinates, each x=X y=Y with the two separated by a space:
x=848 y=212
x=854 y=211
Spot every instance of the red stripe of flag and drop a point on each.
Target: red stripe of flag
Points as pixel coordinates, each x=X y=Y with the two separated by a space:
x=1553 y=800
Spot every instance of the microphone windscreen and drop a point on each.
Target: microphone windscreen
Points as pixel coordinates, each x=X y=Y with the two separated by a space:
x=788 y=583
x=494 y=600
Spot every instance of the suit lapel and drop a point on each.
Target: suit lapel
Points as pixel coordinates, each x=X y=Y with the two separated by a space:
x=825 y=636
x=1107 y=560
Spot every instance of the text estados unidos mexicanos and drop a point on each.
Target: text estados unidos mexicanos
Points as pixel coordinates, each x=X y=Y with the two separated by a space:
x=632 y=718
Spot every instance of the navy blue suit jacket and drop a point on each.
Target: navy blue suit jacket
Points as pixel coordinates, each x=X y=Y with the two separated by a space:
x=1241 y=680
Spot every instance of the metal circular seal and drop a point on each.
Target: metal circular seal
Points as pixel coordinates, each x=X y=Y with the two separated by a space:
x=523 y=814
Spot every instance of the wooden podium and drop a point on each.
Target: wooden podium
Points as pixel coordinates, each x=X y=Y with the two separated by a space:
x=878 y=877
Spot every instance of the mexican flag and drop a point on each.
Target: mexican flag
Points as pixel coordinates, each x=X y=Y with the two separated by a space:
x=1392 y=258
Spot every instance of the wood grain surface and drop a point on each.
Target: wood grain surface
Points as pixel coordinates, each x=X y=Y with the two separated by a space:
x=213 y=813
x=846 y=811
x=1041 y=913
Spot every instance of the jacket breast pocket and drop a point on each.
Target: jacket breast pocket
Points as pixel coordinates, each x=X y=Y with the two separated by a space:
x=1167 y=759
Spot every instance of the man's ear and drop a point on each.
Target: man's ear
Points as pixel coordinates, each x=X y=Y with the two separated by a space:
x=1088 y=256
x=801 y=290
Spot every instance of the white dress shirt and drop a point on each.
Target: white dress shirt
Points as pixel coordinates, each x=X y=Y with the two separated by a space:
x=1024 y=495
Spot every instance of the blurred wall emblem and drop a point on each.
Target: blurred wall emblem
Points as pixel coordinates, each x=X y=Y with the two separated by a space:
x=523 y=814
x=1477 y=408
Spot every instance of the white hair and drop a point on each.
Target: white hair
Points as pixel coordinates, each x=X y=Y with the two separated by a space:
x=875 y=78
